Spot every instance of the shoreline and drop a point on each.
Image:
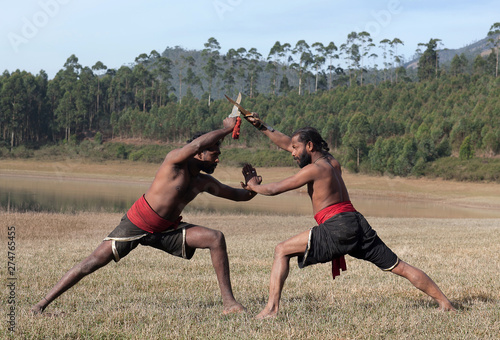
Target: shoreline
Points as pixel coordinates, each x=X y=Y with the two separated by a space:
x=452 y=193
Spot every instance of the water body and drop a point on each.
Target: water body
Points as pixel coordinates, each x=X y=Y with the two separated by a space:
x=53 y=194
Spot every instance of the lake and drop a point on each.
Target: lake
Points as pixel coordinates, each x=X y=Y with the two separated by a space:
x=62 y=194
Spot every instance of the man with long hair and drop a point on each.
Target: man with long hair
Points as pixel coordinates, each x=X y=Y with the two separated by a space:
x=341 y=230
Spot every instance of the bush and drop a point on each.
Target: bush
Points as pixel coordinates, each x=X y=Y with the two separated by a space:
x=474 y=169
x=98 y=138
x=466 y=149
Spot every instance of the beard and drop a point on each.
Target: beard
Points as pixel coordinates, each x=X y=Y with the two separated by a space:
x=304 y=159
x=208 y=167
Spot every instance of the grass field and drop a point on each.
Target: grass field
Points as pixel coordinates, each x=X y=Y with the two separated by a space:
x=152 y=295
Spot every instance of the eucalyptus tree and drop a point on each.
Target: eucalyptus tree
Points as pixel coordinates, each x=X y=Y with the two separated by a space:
x=273 y=58
x=353 y=54
x=494 y=39
x=286 y=59
x=384 y=45
x=211 y=67
x=241 y=63
x=458 y=64
x=98 y=67
x=254 y=69
x=143 y=77
x=428 y=64
x=13 y=102
x=318 y=61
x=121 y=94
x=192 y=79
x=304 y=60
x=162 y=73
x=397 y=58
x=181 y=64
x=85 y=99
x=65 y=109
x=356 y=136
x=331 y=55
x=230 y=58
x=366 y=43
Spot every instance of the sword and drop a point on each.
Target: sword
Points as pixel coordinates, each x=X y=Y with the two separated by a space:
x=235 y=112
x=245 y=113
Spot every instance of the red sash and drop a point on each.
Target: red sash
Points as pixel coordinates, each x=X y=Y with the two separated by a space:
x=327 y=213
x=143 y=216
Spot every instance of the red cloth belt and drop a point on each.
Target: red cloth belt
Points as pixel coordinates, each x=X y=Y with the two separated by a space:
x=327 y=213
x=143 y=216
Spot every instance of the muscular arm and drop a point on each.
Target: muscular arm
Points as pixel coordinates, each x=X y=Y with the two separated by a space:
x=280 y=139
x=201 y=143
x=216 y=188
x=304 y=176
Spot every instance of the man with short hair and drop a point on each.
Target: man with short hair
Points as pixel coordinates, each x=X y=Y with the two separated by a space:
x=154 y=219
x=341 y=229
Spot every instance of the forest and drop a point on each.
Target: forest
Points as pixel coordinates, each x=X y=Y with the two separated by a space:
x=389 y=120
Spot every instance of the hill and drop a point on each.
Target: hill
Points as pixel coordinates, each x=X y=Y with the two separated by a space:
x=482 y=47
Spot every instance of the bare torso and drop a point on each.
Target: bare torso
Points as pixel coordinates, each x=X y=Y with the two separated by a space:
x=327 y=187
x=173 y=188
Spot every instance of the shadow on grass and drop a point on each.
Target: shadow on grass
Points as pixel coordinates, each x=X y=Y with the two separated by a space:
x=465 y=303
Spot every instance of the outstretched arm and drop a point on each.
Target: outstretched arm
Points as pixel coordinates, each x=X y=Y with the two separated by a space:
x=278 y=138
x=304 y=176
x=201 y=143
x=216 y=188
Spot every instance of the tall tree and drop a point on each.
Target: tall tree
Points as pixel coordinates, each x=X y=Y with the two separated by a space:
x=211 y=68
x=142 y=74
x=191 y=78
x=331 y=55
x=366 y=43
x=494 y=39
x=458 y=64
x=254 y=69
x=397 y=58
x=384 y=45
x=318 y=61
x=428 y=64
x=273 y=57
x=162 y=73
x=228 y=77
x=98 y=67
x=304 y=60
x=66 y=111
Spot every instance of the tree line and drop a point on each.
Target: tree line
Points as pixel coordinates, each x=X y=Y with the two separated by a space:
x=382 y=119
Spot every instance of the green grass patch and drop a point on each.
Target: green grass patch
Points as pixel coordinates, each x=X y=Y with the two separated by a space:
x=474 y=169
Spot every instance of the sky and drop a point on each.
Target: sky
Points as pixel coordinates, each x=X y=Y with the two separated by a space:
x=40 y=35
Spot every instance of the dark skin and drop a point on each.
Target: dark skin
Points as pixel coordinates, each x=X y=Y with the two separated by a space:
x=177 y=182
x=322 y=174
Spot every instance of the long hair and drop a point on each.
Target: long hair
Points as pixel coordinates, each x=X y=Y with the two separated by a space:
x=310 y=134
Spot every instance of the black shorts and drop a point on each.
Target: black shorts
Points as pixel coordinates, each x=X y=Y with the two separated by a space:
x=347 y=233
x=126 y=236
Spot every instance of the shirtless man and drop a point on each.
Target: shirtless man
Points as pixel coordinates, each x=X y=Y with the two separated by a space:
x=154 y=220
x=341 y=229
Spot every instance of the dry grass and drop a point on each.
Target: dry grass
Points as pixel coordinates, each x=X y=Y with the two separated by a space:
x=152 y=295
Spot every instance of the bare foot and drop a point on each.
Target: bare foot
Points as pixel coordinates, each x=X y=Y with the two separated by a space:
x=233 y=309
x=267 y=313
x=447 y=307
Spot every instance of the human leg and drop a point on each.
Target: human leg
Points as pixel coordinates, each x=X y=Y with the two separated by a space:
x=100 y=257
x=423 y=282
x=280 y=269
x=205 y=238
